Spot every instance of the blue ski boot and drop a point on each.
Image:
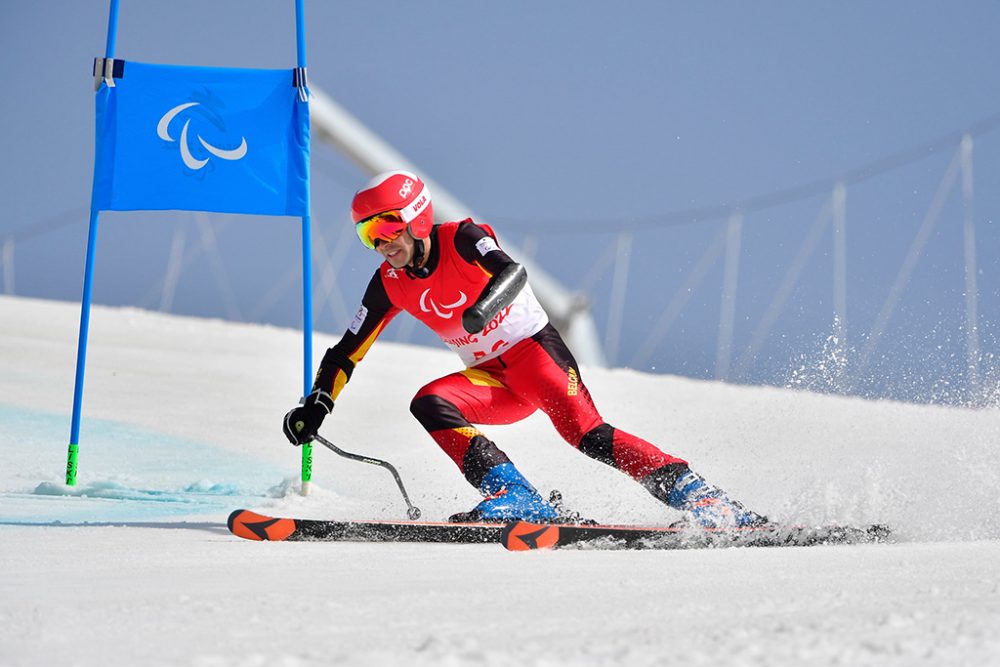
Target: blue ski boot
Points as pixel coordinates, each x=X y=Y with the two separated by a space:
x=509 y=497
x=703 y=504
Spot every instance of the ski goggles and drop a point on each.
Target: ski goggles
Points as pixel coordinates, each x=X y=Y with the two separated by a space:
x=382 y=227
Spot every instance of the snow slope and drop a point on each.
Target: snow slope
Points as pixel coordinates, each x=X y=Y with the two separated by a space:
x=134 y=565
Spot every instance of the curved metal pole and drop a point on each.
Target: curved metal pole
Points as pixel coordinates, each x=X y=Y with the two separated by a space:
x=411 y=511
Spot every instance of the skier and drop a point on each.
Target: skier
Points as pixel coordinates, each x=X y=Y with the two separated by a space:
x=456 y=279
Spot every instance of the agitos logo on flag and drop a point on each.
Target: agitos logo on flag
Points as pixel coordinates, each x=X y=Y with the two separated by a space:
x=202 y=139
x=190 y=161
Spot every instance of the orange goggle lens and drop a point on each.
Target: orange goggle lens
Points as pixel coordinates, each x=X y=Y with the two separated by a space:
x=382 y=227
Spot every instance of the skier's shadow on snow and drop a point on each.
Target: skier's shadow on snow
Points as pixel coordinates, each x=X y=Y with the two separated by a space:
x=208 y=526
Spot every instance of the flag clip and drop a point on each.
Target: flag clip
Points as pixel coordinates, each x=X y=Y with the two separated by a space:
x=106 y=70
x=301 y=81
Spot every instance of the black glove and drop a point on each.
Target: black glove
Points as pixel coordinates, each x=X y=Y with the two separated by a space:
x=302 y=423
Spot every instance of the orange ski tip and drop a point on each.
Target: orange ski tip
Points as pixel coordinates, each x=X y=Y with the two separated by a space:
x=252 y=526
x=526 y=536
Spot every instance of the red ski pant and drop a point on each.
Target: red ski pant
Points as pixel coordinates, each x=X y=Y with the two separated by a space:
x=539 y=373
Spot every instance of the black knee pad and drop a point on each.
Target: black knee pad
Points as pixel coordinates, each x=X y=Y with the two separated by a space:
x=435 y=413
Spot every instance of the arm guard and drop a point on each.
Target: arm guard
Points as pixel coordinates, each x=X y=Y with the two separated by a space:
x=499 y=292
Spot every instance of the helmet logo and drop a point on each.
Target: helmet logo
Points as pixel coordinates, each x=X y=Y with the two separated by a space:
x=444 y=311
x=415 y=207
x=406 y=189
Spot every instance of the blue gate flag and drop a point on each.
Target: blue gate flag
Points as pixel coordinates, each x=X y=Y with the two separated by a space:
x=201 y=139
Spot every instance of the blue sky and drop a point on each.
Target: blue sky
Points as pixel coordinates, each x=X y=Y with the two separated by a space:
x=543 y=115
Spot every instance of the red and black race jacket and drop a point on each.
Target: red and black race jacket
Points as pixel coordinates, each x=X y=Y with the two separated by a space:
x=463 y=257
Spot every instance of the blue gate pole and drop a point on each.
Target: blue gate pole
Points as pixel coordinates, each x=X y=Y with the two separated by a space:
x=300 y=32
x=81 y=352
x=88 y=283
x=109 y=47
x=307 y=325
x=307 y=301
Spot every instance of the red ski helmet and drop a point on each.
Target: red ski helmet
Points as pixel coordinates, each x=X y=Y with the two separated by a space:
x=399 y=192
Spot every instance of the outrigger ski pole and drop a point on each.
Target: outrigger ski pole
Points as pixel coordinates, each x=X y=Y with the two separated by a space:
x=411 y=511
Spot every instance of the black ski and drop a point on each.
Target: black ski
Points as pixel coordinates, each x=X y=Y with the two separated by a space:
x=252 y=526
x=524 y=536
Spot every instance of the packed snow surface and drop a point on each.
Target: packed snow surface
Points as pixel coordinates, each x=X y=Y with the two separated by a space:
x=134 y=565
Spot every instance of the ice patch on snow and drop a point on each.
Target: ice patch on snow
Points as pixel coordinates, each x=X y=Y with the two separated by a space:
x=160 y=478
x=191 y=493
